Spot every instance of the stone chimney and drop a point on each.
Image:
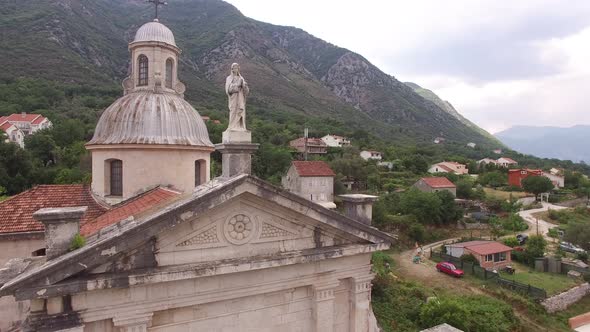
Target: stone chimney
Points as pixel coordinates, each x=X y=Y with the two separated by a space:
x=359 y=207
x=61 y=225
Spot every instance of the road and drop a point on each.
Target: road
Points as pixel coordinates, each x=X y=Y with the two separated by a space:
x=532 y=221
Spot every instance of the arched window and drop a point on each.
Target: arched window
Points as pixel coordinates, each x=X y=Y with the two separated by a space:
x=116 y=177
x=169 y=72
x=200 y=172
x=142 y=60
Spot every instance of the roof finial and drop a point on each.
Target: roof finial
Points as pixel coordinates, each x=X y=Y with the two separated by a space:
x=157 y=4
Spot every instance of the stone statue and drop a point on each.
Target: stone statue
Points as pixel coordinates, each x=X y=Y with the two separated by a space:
x=237 y=90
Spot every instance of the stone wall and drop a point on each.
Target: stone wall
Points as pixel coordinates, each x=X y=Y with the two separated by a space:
x=562 y=301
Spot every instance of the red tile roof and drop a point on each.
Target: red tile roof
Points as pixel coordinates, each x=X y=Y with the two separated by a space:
x=510 y=160
x=313 y=168
x=311 y=141
x=446 y=168
x=26 y=117
x=16 y=213
x=488 y=248
x=131 y=207
x=5 y=126
x=438 y=182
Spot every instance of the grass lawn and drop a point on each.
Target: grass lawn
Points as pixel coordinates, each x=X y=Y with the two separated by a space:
x=553 y=283
x=505 y=195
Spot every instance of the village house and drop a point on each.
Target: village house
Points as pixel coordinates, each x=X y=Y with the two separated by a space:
x=336 y=141
x=471 y=145
x=169 y=249
x=491 y=255
x=439 y=140
x=497 y=151
x=449 y=167
x=557 y=179
x=313 y=180
x=436 y=184
x=13 y=134
x=506 y=162
x=515 y=176
x=27 y=123
x=314 y=145
x=371 y=155
x=486 y=161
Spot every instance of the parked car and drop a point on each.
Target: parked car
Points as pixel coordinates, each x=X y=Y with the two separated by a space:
x=522 y=238
x=570 y=247
x=449 y=269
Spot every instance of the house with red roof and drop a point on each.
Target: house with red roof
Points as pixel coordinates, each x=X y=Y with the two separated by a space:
x=515 y=176
x=17 y=126
x=436 y=184
x=449 y=167
x=313 y=180
x=491 y=255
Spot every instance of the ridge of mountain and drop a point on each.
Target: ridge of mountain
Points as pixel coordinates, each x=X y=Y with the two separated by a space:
x=448 y=107
x=557 y=142
x=85 y=42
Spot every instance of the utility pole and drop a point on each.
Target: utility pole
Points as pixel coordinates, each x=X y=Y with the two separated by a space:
x=305 y=134
x=537 y=226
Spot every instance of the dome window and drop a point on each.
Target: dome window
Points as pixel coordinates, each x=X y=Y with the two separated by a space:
x=142 y=60
x=169 y=72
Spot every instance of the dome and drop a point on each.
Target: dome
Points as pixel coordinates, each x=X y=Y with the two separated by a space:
x=154 y=31
x=145 y=117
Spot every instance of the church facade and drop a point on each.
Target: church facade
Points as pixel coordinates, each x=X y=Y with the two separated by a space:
x=233 y=253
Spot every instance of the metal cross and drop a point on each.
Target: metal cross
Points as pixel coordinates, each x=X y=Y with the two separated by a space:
x=157 y=3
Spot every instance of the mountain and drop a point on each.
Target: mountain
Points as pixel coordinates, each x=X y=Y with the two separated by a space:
x=448 y=107
x=549 y=142
x=291 y=72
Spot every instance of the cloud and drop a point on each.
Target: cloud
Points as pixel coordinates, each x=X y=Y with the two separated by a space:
x=499 y=63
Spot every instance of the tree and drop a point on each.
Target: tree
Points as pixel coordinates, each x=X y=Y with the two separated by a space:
x=537 y=185
x=578 y=233
x=535 y=247
x=424 y=206
x=464 y=189
x=417 y=164
x=42 y=146
x=449 y=212
x=493 y=179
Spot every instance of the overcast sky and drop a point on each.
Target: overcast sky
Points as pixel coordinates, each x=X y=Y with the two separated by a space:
x=500 y=63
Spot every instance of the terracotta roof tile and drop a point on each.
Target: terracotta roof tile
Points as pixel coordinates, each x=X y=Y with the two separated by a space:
x=16 y=213
x=313 y=168
x=438 y=182
x=131 y=207
x=488 y=248
x=26 y=117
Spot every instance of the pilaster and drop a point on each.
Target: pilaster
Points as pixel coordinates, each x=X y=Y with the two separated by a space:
x=323 y=306
x=360 y=298
x=135 y=323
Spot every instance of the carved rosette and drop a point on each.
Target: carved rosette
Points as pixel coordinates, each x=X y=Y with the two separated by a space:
x=239 y=229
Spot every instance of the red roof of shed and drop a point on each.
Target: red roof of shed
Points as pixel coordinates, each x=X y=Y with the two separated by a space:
x=313 y=168
x=488 y=248
x=438 y=182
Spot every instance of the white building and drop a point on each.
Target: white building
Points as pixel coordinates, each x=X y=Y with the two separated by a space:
x=449 y=167
x=371 y=155
x=13 y=134
x=336 y=141
x=486 y=161
x=557 y=180
x=312 y=180
x=471 y=145
x=506 y=162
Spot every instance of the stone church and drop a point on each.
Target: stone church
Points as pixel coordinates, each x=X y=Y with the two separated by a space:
x=233 y=253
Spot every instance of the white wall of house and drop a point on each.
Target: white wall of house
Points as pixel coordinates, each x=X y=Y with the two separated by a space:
x=370 y=155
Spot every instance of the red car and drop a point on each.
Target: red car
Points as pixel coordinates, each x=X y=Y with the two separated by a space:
x=449 y=269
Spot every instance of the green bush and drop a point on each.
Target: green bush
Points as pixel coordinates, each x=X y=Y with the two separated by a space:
x=469 y=258
x=511 y=242
x=469 y=313
x=382 y=263
x=77 y=242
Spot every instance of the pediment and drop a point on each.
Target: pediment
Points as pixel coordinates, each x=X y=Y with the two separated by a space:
x=243 y=226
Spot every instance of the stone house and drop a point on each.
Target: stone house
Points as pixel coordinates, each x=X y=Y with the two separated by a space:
x=336 y=141
x=312 y=180
x=449 y=167
x=436 y=184
x=371 y=155
x=172 y=249
x=491 y=255
x=313 y=145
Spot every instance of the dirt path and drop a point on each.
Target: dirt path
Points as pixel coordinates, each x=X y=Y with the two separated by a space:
x=543 y=226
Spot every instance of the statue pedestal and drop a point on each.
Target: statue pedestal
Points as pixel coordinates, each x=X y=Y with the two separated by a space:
x=236 y=153
x=237 y=136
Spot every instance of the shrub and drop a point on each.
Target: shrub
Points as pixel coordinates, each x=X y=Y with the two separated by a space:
x=416 y=232
x=583 y=256
x=469 y=313
x=77 y=242
x=469 y=258
x=511 y=242
x=382 y=263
